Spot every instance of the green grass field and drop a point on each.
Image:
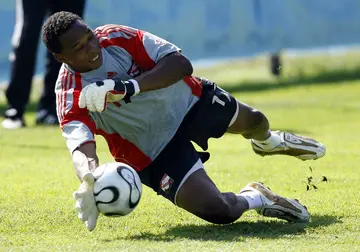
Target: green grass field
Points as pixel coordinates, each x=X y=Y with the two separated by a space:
x=37 y=177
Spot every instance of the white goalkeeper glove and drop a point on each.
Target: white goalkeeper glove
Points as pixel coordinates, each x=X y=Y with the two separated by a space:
x=85 y=202
x=95 y=95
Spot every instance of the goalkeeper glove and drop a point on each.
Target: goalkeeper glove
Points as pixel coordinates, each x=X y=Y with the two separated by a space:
x=95 y=95
x=85 y=202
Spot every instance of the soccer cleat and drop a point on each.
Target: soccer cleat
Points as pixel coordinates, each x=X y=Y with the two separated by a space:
x=297 y=146
x=12 y=119
x=9 y=123
x=277 y=206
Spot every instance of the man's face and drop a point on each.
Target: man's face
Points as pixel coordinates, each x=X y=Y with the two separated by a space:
x=80 y=48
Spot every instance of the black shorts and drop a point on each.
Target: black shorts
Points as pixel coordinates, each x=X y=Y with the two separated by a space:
x=208 y=118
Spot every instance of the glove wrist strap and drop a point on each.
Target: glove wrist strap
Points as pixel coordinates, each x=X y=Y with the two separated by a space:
x=135 y=86
x=132 y=88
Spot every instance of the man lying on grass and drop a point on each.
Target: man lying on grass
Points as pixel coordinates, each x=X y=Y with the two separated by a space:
x=137 y=91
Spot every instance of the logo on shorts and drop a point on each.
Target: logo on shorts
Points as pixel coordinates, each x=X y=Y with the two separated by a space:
x=166 y=183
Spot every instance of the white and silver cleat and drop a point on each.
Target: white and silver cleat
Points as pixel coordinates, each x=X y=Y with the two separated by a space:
x=293 y=145
x=277 y=206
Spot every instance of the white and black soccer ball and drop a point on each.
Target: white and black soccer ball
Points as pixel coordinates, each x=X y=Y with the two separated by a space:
x=117 y=189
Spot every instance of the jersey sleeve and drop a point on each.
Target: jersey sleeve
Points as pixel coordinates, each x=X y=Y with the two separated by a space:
x=157 y=47
x=76 y=133
x=146 y=49
x=76 y=124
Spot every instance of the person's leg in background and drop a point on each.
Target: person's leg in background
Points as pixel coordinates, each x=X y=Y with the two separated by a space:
x=29 y=18
x=47 y=104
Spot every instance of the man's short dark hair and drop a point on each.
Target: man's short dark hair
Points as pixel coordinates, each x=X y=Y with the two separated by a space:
x=55 y=26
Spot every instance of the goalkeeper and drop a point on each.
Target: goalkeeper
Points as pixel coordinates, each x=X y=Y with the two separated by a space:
x=137 y=91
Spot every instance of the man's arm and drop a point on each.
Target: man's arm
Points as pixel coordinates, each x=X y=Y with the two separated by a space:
x=166 y=72
x=85 y=159
x=85 y=162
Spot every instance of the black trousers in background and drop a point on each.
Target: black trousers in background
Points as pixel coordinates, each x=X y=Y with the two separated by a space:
x=30 y=15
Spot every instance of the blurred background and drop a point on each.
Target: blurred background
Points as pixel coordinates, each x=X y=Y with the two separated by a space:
x=214 y=31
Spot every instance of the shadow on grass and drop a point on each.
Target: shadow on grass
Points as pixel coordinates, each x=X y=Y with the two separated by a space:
x=238 y=231
x=334 y=77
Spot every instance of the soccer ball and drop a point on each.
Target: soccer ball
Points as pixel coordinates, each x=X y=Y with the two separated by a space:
x=117 y=189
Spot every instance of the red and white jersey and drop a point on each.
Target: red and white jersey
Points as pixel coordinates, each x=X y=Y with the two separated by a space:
x=138 y=131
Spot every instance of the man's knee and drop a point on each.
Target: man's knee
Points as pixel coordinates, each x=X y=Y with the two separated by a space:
x=199 y=195
x=249 y=121
x=256 y=122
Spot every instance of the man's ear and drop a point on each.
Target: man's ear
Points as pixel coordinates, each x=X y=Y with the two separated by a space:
x=59 y=57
